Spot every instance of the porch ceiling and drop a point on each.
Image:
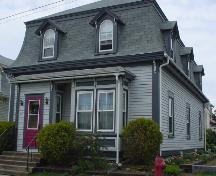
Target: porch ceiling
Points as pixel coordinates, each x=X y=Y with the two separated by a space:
x=74 y=74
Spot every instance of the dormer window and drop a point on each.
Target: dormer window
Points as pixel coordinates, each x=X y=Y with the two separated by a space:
x=48 y=44
x=106 y=26
x=106 y=36
x=49 y=33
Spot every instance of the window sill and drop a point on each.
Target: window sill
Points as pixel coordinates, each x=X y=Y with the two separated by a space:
x=105 y=53
x=48 y=59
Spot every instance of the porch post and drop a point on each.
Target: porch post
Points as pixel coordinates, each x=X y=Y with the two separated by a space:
x=119 y=97
x=72 y=113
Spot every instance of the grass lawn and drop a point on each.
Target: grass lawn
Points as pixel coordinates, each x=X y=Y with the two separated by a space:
x=206 y=174
x=48 y=174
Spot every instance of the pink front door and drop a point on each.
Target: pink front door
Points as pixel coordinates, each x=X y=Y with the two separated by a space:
x=33 y=119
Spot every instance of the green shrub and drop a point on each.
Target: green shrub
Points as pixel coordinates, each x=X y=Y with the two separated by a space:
x=8 y=137
x=172 y=170
x=57 y=142
x=211 y=140
x=87 y=145
x=141 y=141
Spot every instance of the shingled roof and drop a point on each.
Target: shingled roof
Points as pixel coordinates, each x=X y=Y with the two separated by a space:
x=92 y=6
x=5 y=61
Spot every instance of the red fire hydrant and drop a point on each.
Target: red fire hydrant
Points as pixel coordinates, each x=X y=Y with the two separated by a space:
x=159 y=166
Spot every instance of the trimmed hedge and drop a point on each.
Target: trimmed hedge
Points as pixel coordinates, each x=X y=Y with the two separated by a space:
x=141 y=141
x=56 y=142
x=8 y=137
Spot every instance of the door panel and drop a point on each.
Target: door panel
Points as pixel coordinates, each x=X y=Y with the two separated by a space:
x=33 y=119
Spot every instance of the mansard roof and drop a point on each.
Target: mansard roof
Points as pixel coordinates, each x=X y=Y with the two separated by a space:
x=103 y=13
x=48 y=23
x=5 y=61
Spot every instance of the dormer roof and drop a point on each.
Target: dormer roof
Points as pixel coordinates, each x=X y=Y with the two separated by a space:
x=199 y=69
x=170 y=26
x=105 y=12
x=187 y=51
x=47 y=23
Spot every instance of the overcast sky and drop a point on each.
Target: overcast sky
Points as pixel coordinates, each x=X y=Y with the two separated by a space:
x=196 y=22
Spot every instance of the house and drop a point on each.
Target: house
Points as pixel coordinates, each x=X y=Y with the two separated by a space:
x=104 y=64
x=4 y=89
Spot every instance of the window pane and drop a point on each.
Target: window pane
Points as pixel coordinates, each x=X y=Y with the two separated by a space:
x=106 y=120
x=106 y=47
x=49 y=38
x=33 y=107
x=85 y=101
x=58 y=104
x=48 y=52
x=32 y=121
x=106 y=101
x=170 y=107
x=170 y=125
x=84 y=120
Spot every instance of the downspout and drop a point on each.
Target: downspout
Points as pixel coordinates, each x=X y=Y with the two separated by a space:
x=160 y=71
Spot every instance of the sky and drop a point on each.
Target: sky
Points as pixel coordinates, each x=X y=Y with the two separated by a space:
x=196 y=21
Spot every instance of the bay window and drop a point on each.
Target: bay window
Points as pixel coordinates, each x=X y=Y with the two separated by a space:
x=84 y=110
x=106 y=110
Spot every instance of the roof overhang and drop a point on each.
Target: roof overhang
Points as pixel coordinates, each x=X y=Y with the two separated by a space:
x=84 y=64
x=170 y=26
x=74 y=74
x=184 y=79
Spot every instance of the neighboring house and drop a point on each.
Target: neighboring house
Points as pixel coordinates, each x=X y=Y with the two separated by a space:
x=4 y=89
x=104 y=64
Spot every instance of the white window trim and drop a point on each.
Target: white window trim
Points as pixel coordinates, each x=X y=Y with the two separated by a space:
x=113 y=110
x=171 y=115
x=77 y=110
x=49 y=46
x=34 y=114
x=188 y=121
x=58 y=95
x=103 y=40
x=200 y=126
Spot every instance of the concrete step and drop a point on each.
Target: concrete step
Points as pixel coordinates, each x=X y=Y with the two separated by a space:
x=13 y=153
x=14 y=167
x=13 y=172
x=18 y=163
x=18 y=158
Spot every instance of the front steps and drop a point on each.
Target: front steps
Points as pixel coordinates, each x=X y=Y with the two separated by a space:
x=14 y=163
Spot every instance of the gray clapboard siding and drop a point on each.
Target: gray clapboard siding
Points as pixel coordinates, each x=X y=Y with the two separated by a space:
x=4 y=106
x=181 y=97
x=32 y=88
x=140 y=92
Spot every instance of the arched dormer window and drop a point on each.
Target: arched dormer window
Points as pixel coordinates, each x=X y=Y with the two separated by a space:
x=48 y=44
x=106 y=36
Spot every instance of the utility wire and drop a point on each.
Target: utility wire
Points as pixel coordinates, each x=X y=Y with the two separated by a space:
x=40 y=7
x=42 y=10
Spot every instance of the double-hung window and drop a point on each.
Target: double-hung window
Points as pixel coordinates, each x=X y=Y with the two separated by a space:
x=171 y=116
x=84 y=110
x=200 y=125
x=106 y=36
x=188 y=113
x=106 y=110
x=48 y=44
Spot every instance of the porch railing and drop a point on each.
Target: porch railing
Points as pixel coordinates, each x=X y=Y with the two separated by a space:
x=28 y=151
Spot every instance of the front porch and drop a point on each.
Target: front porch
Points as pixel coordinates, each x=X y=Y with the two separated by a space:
x=95 y=100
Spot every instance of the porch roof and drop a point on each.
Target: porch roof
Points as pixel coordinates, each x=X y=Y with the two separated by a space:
x=74 y=74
